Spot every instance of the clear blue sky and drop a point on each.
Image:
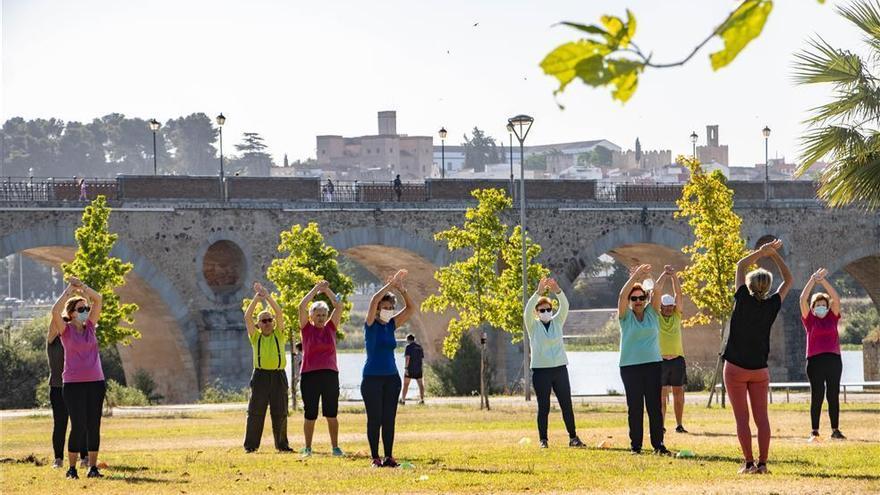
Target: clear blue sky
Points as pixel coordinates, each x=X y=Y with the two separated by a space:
x=292 y=70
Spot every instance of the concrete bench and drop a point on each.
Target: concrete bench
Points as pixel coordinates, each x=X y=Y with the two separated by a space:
x=788 y=386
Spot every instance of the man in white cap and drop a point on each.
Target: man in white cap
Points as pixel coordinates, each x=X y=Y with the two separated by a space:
x=673 y=368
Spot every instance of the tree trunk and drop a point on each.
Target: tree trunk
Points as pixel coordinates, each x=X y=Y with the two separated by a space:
x=719 y=366
x=484 y=397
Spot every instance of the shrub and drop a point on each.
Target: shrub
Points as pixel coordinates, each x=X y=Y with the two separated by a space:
x=858 y=322
x=216 y=393
x=144 y=382
x=120 y=395
x=459 y=375
x=698 y=378
x=22 y=368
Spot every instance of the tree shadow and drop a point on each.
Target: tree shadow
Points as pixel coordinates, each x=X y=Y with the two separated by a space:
x=867 y=477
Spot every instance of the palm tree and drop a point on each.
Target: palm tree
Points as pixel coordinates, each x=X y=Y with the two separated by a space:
x=844 y=131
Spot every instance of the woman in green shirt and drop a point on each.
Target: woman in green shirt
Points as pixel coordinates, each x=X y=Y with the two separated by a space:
x=640 y=360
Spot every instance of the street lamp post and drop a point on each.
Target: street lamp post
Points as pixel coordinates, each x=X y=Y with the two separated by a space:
x=510 y=149
x=694 y=138
x=520 y=125
x=220 y=121
x=442 y=152
x=766 y=132
x=154 y=126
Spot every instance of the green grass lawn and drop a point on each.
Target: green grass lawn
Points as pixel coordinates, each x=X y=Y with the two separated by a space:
x=455 y=449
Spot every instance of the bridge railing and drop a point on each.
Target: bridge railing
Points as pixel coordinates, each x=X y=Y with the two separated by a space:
x=30 y=189
x=291 y=189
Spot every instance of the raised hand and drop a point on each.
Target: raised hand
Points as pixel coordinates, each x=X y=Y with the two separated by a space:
x=820 y=274
x=643 y=269
x=669 y=270
x=75 y=282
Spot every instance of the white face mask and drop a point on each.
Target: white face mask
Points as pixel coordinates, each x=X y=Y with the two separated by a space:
x=545 y=317
x=820 y=311
x=386 y=314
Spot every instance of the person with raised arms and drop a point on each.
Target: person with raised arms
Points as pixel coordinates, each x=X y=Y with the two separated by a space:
x=83 y=387
x=640 y=360
x=269 y=380
x=549 y=363
x=820 y=314
x=319 y=375
x=673 y=369
x=746 y=375
x=380 y=387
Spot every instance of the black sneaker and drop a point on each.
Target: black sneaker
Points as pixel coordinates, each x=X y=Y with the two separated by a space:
x=94 y=473
x=285 y=449
x=71 y=474
x=838 y=435
x=389 y=462
x=814 y=433
x=249 y=450
x=680 y=429
x=635 y=451
x=575 y=442
x=543 y=444
x=662 y=450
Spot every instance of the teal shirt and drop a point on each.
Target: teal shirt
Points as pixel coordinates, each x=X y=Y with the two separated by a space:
x=639 y=341
x=546 y=345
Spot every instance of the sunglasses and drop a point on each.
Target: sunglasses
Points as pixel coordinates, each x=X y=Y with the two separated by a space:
x=267 y=320
x=545 y=310
x=83 y=309
x=638 y=298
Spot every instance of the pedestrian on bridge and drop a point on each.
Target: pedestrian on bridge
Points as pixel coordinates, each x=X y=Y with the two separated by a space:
x=319 y=375
x=269 y=380
x=746 y=375
x=381 y=385
x=549 y=363
x=83 y=386
x=820 y=314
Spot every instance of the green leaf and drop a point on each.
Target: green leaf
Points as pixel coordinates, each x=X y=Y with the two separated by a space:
x=742 y=26
x=625 y=77
x=591 y=28
x=561 y=63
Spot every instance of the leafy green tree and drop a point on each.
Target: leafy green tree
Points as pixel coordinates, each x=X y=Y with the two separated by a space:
x=467 y=286
x=609 y=57
x=480 y=150
x=508 y=298
x=707 y=204
x=93 y=265
x=254 y=159
x=192 y=137
x=844 y=130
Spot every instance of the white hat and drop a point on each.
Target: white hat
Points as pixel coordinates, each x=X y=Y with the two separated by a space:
x=667 y=300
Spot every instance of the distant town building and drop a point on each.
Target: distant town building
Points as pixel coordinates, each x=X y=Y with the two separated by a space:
x=648 y=160
x=376 y=157
x=713 y=152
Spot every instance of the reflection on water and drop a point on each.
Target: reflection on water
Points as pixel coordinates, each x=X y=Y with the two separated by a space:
x=591 y=373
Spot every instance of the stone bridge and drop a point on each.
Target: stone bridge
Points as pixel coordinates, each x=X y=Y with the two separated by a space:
x=194 y=262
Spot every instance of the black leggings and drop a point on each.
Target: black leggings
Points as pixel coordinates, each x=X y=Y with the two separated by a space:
x=320 y=385
x=545 y=379
x=824 y=372
x=84 y=403
x=380 y=395
x=643 y=391
x=59 y=427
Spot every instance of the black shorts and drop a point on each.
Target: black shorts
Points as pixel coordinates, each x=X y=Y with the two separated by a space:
x=323 y=385
x=415 y=374
x=673 y=372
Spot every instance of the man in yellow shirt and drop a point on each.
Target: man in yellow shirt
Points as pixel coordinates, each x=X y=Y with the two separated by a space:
x=269 y=381
x=673 y=368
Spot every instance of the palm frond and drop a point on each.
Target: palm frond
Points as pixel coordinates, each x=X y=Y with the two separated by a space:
x=865 y=15
x=852 y=180
x=826 y=64
x=859 y=103
x=822 y=142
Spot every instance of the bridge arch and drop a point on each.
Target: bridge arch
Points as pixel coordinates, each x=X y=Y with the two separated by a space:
x=381 y=250
x=168 y=336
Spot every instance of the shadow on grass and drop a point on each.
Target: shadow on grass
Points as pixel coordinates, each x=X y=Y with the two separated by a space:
x=504 y=470
x=137 y=480
x=865 y=477
x=710 y=434
x=128 y=469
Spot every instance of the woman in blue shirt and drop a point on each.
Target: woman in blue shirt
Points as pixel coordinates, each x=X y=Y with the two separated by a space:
x=381 y=381
x=640 y=360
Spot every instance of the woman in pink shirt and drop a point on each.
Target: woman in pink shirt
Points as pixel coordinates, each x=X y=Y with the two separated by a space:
x=820 y=314
x=83 y=386
x=319 y=376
